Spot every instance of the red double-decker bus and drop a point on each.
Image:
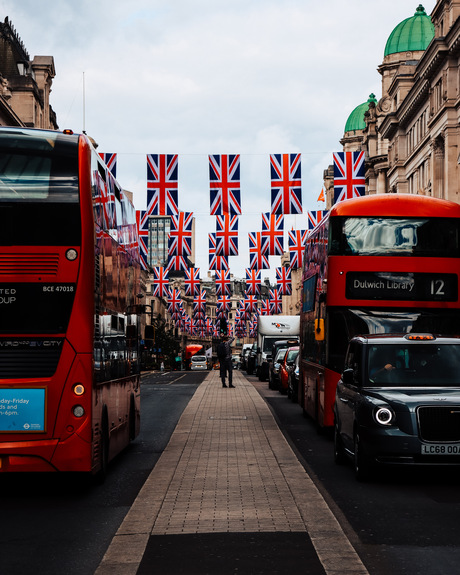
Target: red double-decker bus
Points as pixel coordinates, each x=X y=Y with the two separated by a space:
x=69 y=277
x=377 y=264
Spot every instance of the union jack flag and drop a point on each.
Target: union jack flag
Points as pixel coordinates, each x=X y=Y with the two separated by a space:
x=223 y=306
x=273 y=234
x=286 y=183
x=257 y=260
x=199 y=304
x=223 y=285
x=224 y=176
x=174 y=300
x=296 y=241
x=180 y=234
x=315 y=218
x=176 y=263
x=283 y=279
x=265 y=307
x=142 y=222
x=227 y=235
x=275 y=302
x=162 y=184
x=110 y=160
x=250 y=303
x=253 y=281
x=349 y=180
x=192 y=281
x=216 y=262
x=253 y=327
x=160 y=282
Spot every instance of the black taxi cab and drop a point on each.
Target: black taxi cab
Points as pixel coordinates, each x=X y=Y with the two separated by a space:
x=398 y=402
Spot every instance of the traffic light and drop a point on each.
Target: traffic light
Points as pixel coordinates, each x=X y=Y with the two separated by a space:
x=223 y=326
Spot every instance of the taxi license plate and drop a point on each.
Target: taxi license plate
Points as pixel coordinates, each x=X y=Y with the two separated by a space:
x=447 y=449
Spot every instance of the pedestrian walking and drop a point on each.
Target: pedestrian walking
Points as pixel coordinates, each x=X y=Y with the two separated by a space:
x=224 y=353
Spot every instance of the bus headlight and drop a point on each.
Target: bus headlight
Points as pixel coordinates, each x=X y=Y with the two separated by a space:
x=384 y=416
x=78 y=410
x=71 y=254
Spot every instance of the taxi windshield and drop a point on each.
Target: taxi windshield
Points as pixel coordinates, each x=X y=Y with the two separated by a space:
x=415 y=365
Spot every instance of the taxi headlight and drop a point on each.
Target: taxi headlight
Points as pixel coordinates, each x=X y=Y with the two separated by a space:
x=384 y=416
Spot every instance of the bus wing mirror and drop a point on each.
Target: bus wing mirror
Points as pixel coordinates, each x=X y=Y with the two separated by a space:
x=319 y=329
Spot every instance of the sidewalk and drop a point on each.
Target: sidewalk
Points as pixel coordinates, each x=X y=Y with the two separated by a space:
x=228 y=475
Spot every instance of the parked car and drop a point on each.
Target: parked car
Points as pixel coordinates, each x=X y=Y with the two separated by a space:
x=293 y=380
x=199 y=362
x=398 y=402
x=251 y=361
x=274 y=373
x=286 y=367
x=244 y=355
x=278 y=344
x=236 y=361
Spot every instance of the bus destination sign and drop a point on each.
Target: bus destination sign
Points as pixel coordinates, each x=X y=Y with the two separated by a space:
x=405 y=286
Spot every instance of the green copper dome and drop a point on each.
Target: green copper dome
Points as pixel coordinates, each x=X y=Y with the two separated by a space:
x=356 y=118
x=412 y=34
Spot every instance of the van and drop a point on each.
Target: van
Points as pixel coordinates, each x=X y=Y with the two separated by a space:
x=199 y=362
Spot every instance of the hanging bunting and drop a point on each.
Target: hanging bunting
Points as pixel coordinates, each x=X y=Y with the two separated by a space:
x=224 y=176
x=253 y=281
x=349 y=180
x=227 y=235
x=142 y=222
x=315 y=218
x=296 y=242
x=250 y=304
x=174 y=300
x=216 y=262
x=321 y=197
x=162 y=184
x=273 y=234
x=223 y=283
x=176 y=264
x=285 y=170
x=276 y=303
x=257 y=260
x=192 y=281
x=110 y=160
x=223 y=306
x=283 y=279
x=199 y=304
x=160 y=282
x=180 y=235
x=265 y=307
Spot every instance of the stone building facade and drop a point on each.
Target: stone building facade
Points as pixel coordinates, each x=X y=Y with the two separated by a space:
x=25 y=84
x=411 y=135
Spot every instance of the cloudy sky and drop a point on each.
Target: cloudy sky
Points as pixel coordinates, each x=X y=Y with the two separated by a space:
x=199 y=77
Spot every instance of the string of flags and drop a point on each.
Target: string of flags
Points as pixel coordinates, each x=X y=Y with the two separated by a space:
x=226 y=205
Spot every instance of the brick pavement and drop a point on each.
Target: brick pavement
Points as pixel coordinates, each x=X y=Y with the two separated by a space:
x=229 y=469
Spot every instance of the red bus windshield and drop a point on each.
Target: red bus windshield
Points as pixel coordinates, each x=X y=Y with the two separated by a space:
x=391 y=236
x=39 y=196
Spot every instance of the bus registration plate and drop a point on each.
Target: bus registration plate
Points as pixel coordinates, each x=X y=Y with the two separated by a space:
x=441 y=449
